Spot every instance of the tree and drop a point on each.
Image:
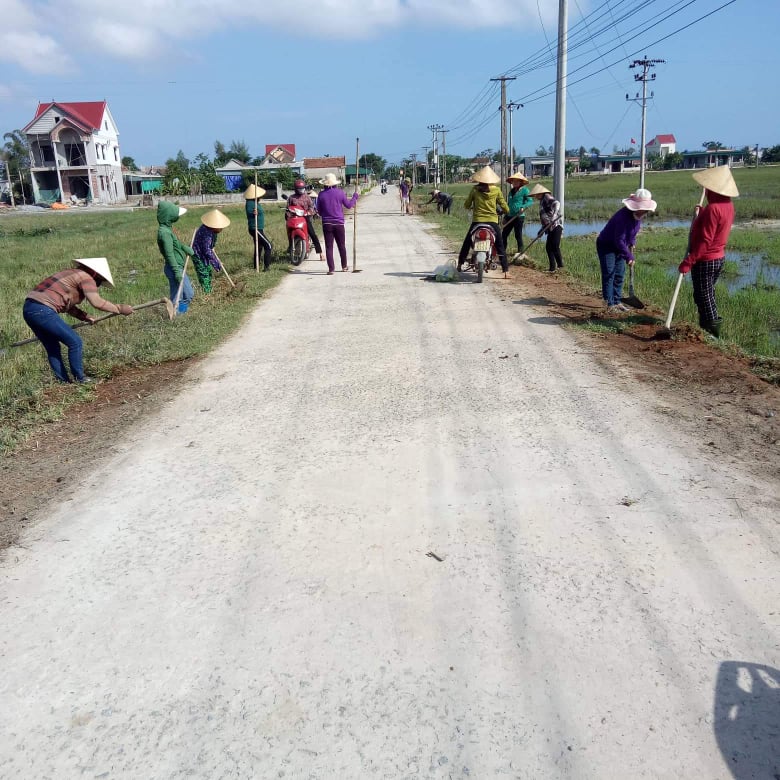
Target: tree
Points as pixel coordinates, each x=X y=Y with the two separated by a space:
x=748 y=153
x=239 y=151
x=373 y=162
x=595 y=150
x=541 y=151
x=712 y=145
x=211 y=183
x=221 y=155
x=178 y=179
x=129 y=163
x=672 y=160
x=16 y=155
x=771 y=154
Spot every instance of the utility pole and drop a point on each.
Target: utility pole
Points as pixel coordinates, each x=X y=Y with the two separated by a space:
x=756 y=155
x=435 y=130
x=503 y=80
x=444 y=155
x=511 y=107
x=414 y=170
x=560 y=104
x=427 y=166
x=644 y=77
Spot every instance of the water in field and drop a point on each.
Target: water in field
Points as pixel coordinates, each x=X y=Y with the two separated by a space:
x=745 y=270
x=585 y=228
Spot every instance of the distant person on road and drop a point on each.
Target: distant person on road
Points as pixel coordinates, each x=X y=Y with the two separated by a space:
x=331 y=204
x=302 y=199
x=60 y=294
x=485 y=200
x=519 y=200
x=405 y=190
x=205 y=259
x=615 y=245
x=174 y=252
x=255 y=222
x=709 y=235
x=550 y=216
x=442 y=200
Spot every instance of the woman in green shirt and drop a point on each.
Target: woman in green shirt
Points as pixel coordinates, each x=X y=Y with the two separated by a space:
x=519 y=200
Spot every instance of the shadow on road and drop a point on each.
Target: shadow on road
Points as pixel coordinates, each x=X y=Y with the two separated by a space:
x=548 y=320
x=747 y=719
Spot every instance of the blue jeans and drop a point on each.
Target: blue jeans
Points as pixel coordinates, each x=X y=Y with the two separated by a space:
x=613 y=271
x=52 y=330
x=187 y=293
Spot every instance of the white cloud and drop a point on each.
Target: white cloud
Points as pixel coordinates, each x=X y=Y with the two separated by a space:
x=37 y=34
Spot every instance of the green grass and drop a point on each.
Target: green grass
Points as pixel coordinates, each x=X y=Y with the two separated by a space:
x=37 y=245
x=751 y=315
x=598 y=197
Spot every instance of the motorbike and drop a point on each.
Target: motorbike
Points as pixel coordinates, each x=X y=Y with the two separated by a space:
x=297 y=234
x=384 y=188
x=483 y=254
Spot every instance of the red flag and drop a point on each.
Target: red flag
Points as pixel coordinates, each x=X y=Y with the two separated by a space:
x=633 y=140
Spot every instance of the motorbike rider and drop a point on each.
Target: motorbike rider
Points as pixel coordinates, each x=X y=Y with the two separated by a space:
x=485 y=199
x=300 y=198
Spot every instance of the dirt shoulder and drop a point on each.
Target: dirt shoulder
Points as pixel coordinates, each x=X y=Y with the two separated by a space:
x=43 y=468
x=712 y=395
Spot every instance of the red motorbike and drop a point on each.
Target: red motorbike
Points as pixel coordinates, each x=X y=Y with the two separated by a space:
x=483 y=251
x=297 y=234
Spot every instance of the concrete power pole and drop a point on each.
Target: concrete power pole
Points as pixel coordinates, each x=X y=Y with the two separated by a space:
x=435 y=130
x=414 y=170
x=503 y=80
x=560 y=104
x=444 y=156
x=427 y=165
x=645 y=64
x=512 y=107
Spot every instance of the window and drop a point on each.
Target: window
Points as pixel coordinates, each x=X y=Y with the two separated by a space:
x=105 y=124
x=116 y=154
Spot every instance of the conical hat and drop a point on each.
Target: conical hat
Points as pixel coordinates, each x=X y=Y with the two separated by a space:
x=99 y=265
x=517 y=176
x=718 y=180
x=330 y=180
x=486 y=175
x=182 y=211
x=215 y=219
x=253 y=192
x=537 y=189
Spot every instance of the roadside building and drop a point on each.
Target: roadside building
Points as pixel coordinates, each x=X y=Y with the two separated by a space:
x=74 y=153
x=661 y=145
x=319 y=167
x=714 y=158
x=616 y=163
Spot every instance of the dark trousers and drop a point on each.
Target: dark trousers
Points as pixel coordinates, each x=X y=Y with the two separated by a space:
x=446 y=205
x=704 y=274
x=264 y=246
x=516 y=226
x=313 y=235
x=52 y=331
x=464 y=250
x=334 y=232
x=553 y=247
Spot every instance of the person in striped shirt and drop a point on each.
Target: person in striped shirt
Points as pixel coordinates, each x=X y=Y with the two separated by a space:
x=60 y=294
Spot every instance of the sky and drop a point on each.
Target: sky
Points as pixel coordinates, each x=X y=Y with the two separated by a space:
x=181 y=74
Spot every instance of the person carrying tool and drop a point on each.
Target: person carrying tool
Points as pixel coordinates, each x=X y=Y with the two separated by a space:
x=301 y=199
x=60 y=294
x=615 y=245
x=485 y=200
x=331 y=204
x=519 y=200
x=255 y=221
x=174 y=253
x=205 y=259
x=550 y=216
x=709 y=235
x=442 y=199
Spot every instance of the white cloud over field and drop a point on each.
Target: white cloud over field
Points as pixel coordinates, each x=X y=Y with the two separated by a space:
x=50 y=36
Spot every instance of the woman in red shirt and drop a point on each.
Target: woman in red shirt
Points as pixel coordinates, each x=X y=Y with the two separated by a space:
x=709 y=234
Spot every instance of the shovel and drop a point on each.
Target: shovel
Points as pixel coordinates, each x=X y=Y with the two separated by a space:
x=632 y=300
x=160 y=302
x=523 y=255
x=665 y=333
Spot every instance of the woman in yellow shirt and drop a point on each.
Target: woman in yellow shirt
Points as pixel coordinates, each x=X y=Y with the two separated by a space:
x=485 y=200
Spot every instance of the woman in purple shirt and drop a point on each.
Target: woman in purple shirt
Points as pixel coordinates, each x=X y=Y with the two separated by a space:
x=615 y=245
x=331 y=203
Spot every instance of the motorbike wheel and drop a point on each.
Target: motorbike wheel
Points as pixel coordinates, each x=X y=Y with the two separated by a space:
x=297 y=251
x=480 y=270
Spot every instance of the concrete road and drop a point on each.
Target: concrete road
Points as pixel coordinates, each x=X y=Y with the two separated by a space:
x=395 y=529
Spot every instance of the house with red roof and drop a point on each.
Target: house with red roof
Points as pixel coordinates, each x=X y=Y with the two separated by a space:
x=319 y=167
x=74 y=153
x=661 y=145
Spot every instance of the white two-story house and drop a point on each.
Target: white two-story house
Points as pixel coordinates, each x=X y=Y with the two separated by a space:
x=74 y=153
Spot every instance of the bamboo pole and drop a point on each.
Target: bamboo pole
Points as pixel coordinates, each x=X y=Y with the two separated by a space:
x=355 y=269
x=257 y=251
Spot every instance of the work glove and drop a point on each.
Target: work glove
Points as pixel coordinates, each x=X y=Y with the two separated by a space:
x=685 y=266
x=125 y=309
